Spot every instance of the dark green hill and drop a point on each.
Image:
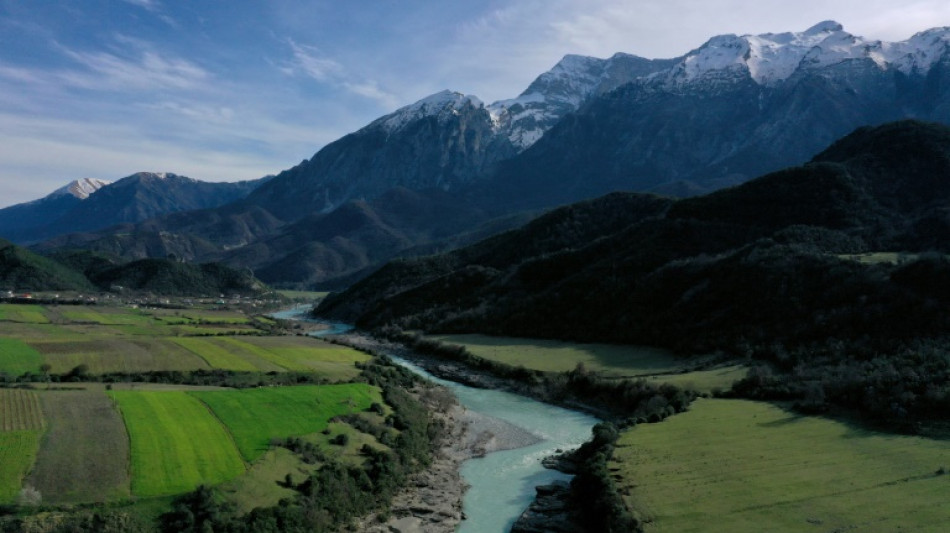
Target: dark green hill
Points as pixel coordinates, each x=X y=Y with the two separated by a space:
x=79 y=270
x=770 y=270
x=699 y=273
x=23 y=270
x=168 y=277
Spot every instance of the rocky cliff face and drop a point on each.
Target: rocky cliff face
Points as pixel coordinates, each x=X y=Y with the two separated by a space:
x=443 y=141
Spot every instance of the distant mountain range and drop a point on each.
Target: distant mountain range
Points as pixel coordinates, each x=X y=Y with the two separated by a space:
x=92 y=204
x=735 y=108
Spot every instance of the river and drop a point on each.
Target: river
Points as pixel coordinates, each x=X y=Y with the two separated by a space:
x=501 y=484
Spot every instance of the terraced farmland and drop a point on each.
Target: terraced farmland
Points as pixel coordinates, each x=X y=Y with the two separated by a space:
x=177 y=444
x=736 y=466
x=255 y=416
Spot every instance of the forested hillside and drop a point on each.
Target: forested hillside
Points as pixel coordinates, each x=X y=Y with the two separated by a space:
x=835 y=262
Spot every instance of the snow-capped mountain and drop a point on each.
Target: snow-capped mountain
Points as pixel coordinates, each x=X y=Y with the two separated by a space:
x=443 y=141
x=563 y=89
x=80 y=188
x=442 y=105
x=771 y=59
x=731 y=110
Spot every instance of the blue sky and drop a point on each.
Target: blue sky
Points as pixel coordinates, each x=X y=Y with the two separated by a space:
x=233 y=89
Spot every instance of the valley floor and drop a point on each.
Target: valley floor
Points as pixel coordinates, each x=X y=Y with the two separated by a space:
x=737 y=465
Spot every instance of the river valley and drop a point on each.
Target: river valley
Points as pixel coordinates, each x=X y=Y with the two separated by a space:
x=502 y=484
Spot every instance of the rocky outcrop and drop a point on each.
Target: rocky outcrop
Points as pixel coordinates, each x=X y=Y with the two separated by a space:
x=549 y=512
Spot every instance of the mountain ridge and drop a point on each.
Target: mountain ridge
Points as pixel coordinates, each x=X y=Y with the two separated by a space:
x=639 y=282
x=90 y=204
x=585 y=128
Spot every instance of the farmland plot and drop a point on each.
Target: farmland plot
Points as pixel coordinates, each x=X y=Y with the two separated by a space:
x=21 y=426
x=255 y=416
x=17 y=453
x=24 y=313
x=177 y=444
x=84 y=456
x=17 y=357
x=20 y=409
x=735 y=466
x=302 y=354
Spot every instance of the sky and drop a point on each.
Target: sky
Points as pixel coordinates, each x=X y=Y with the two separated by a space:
x=227 y=90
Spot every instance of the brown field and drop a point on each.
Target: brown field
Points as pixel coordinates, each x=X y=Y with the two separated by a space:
x=20 y=410
x=84 y=456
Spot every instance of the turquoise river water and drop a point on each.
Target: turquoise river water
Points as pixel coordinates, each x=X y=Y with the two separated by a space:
x=501 y=484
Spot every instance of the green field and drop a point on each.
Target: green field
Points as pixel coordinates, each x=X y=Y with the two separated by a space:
x=21 y=426
x=218 y=356
x=17 y=357
x=610 y=360
x=177 y=444
x=304 y=354
x=126 y=340
x=105 y=316
x=102 y=352
x=737 y=466
x=26 y=313
x=84 y=456
x=17 y=453
x=309 y=296
x=255 y=416
x=719 y=377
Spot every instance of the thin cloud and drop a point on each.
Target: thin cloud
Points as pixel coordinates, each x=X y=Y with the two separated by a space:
x=145 y=69
x=151 y=69
x=150 y=5
x=308 y=61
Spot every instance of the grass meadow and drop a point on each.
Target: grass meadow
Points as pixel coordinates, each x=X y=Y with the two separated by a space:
x=610 y=360
x=741 y=466
x=176 y=443
x=255 y=416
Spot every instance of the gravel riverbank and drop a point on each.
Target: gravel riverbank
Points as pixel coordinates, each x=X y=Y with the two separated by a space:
x=432 y=499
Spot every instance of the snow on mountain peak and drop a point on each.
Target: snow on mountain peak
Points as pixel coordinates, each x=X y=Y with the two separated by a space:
x=827 y=26
x=770 y=58
x=434 y=105
x=80 y=188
